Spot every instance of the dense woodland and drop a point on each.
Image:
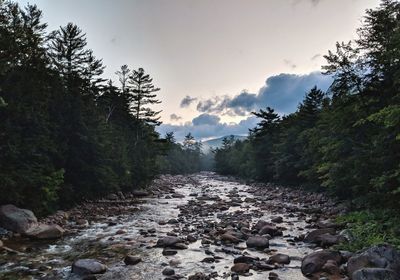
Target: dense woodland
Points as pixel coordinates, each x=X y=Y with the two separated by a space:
x=67 y=134
x=346 y=140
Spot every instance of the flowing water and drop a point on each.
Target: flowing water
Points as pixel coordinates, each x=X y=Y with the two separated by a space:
x=140 y=230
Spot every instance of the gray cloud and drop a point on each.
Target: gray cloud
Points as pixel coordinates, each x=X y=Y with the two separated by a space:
x=205 y=131
x=187 y=101
x=282 y=92
x=175 y=117
x=205 y=119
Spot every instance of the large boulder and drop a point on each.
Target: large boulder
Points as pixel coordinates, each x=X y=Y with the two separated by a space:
x=88 y=266
x=16 y=219
x=374 y=274
x=258 y=242
x=43 y=231
x=314 y=262
x=380 y=256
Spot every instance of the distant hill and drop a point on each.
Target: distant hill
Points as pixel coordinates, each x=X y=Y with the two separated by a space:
x=217 y=142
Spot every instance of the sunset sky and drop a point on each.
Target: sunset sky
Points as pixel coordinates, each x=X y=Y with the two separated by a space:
x=215 y=60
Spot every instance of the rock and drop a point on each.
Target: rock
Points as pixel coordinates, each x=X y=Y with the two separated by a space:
x=191 y=238
x=16 y=219
x=120 y=231
x=279 y=259
x=245 y=259
x=240 y=268
x=88 y=266
x=314 y=262
x=140 y=193
x=208 y=260
x=179 y=246
x=1 y=244
x=168 y=241
x=168 y=271
x=199 y=276
x=273 y=276
x=262 y=265
x=132 y=260
x=374 y=274
x=169 y=252
x=380 y=256
x=277 y=220
x=327 y=239
x=312 y=237
x=229 y=238
x=270 y=229
x=331 y=267
x=173 y=221
x=42 y=231
x=260 y=224
x=258 y=242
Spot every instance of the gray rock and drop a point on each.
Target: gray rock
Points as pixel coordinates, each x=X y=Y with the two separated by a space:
x=16 y=219
x=314 y=262
x=88 y=266
x=168 y=241
x=42 y=231
x=257 y=242
x=279 y=258
x=312 y=237
x=132 y=260
x=168 y=271
x=374 y=274
x=380 y=256
x=240 y=268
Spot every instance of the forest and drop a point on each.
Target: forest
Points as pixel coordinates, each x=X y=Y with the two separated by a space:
x=345 y=141
x=66 y=134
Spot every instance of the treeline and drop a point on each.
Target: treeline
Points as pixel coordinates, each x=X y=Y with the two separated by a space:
x=66 y=134
x=346 y=140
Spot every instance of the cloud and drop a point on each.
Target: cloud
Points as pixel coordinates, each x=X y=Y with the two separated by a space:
x=282 y=92
x=187 y=101
x=205 y=119
x=175 y=117
x=208 y=130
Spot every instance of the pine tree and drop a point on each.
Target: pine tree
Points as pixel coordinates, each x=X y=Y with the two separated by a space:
x=142 y=94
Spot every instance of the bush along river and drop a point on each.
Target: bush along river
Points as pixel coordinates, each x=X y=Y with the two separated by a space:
x=196 y=227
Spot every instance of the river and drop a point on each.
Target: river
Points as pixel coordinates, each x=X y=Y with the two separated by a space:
x=200 y=205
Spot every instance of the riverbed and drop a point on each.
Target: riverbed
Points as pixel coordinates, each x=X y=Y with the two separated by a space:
x=203 y=207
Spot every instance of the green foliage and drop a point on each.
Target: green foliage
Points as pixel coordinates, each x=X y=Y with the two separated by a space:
x=368 y=228
x=65 y=135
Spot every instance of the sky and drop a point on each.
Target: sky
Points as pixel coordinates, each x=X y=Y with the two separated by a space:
x=215 y=60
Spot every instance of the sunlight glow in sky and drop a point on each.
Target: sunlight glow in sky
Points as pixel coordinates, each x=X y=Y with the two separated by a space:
x=210 y=51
